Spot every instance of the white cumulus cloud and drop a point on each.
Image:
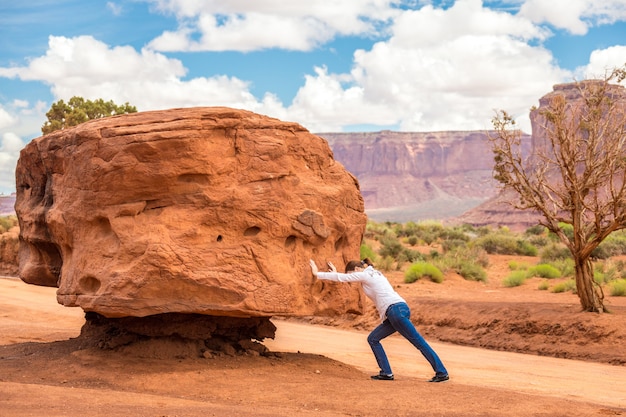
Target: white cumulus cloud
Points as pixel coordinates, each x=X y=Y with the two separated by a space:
x=261 y=24
x=575 y=16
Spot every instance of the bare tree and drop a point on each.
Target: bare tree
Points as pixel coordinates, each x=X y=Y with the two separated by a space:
x=576 y=173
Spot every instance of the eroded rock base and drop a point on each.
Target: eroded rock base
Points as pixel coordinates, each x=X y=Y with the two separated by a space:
x=178 y=335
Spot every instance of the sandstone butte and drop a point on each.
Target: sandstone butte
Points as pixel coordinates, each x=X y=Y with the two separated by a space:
x=197 y=211
x=498 y=211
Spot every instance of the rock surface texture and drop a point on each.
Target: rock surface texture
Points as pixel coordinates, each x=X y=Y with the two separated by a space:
x=210 y=211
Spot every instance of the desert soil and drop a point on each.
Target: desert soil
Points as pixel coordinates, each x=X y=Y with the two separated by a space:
x=510 y=352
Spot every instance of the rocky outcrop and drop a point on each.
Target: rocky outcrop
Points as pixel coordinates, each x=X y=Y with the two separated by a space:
x=209 y=211
x=418 y=175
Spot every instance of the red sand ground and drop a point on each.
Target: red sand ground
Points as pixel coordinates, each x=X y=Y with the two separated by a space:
x=324 y=370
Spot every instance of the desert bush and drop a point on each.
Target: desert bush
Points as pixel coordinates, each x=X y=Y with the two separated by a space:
x=419 y=270
x=613 y=245
x=554 y=252
x=428 y=231
x=599 y=277
x=471 y=271
x=475 y=254
x=451 y=244
x=569 y=285
x=538 y=241
x=7 y=223
x=409 y=255
x=385 y=264
x=390 y=246
x=568 y=230
x=544 y=271
x=617 y=288
x=467 y=261
x=607 y=270
x=536 y=230
x=454 y=234
x=411 y=228
x=543 y=285
x=366 y=251
x=506 y=244
x=412 y=240
x=515 y=265
x=566 y=266
x=515 y=279
x=600 y=252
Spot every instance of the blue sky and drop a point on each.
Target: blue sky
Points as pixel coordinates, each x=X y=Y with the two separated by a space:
x=342 y=65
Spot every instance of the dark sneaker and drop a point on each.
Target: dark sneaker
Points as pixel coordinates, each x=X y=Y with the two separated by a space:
x=439 y=378
x=383 y=377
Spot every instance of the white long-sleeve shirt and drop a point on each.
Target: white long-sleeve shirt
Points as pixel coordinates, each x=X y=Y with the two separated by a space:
x=375 y=286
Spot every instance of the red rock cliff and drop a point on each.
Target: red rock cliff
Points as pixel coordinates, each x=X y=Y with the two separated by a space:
x=418 y=175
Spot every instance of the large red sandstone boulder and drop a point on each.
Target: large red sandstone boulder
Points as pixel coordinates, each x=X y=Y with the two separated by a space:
x=211 y=211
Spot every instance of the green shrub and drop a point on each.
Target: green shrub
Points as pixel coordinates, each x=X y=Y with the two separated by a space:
x=606 y=271
x=413 y=240
x=569 y=285
x=601 y=252
x=391 y=246
x=7 y=223
x=526 y=248
x=506 y=244
x=423 y=269
x=536 y=230
x=409 y=255
x=385 y=264
x=454 y=234
x=618 y=288
x=366 y=251
x=554 y=252
x=613 y=245
x=471 y=271
x=538 y=241
x=515 y=279
x=473 y=254
x=568 y=230
x=465 y=261
x=497 y=244
x=515 y=265
x=599 y=277
x=544 y=271
x=428 y=237
x=543 y=285
x=451 y=244
x=566 y=266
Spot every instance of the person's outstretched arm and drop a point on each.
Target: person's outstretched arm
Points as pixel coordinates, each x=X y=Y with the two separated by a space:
x=333 y=275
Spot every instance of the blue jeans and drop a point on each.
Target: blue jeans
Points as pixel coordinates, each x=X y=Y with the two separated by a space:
x=399 y=320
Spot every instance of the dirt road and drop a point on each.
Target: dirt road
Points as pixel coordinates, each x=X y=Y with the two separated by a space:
x=46 y=376
x=583 y=381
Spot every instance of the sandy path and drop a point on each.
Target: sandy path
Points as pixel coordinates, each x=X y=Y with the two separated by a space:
x=562 y=378
x=559 y=378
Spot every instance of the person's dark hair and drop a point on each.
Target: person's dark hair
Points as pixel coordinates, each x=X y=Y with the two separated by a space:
x=353 y=264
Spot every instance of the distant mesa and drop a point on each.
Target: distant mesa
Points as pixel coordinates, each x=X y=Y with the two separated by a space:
x=413 y=176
